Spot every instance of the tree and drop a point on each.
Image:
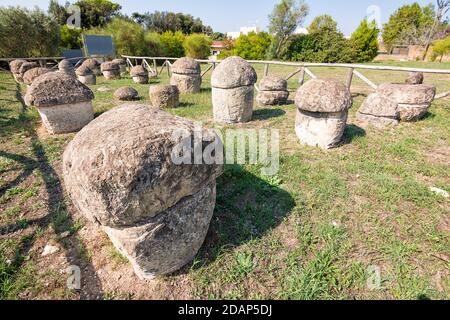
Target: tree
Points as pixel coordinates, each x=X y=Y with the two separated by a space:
x=97 y=13
x=70 y=38
x=154 y=47
x=218 y=36
x=172 y=44
x=58 y=12
x=27 y=33
x=253 y=46
x=441 y=48
x=170 y=21
x=128 y=36
x=197 y=46
x=284 y=20
x=365 y=41
x=443 y=7
x=408 y=25
x=322 y=23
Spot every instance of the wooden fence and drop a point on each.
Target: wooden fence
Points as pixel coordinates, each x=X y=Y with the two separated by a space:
x=301 y=69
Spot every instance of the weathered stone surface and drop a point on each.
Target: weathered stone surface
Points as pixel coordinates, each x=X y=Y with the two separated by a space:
x=233 y=105
x=126 y=94
x=94 y=65
x=324 y=130
x=63 y=102
x=119 y=172
x=111 y=70
x=232 y=91
x=187 y=83
x=233 y=72
x=66 y=118
x=27 y=66
x=15 y=65
x=413 y=100
x=54 y=88
x=162 y=96
x=272 y=98
x=273 y=83
x=139 y=74
x=379 y=110
x=323 y=95
x=65 y=66
x=170 y=240
x=32 y=74
x=415 y=78
x=186 y=66
x=86 y=75
x=122 y=64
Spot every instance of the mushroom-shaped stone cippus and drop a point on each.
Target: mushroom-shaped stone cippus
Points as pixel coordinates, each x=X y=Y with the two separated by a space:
x=122 y=65
x=379 y=111
x=34 y=73
x=322 y=112
x=94 y=65
x=27 y=66
x=63 y=102
x=415 y=78
x=232 y=91
x=65 y=66
x=122 y=171
x=14 y=66
x=186 y=75
x=86 y=75
x=413 y=100
x=162 y=96
x=126 y=94
x=111 y=70
x=272 y=91
x=139 y=74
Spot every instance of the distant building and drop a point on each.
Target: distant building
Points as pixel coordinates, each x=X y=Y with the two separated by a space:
x=301 y=30
x=217 y=47
x=243 y=31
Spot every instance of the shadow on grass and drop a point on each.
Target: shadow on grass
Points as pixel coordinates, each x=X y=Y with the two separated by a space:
x=351 y=133
x=247 y=208
x=265 y=114
x=57 y=216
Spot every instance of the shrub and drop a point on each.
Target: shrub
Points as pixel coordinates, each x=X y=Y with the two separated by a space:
x=253 y=46
x=197 y=46
x=441 y=48
x=153 y=44
x=365 y=41
x=128 y=36
x=172 y=44
x=70 y=38
x=27 y=33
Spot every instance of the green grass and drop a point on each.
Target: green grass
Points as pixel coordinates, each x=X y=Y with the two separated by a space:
x=314 y=231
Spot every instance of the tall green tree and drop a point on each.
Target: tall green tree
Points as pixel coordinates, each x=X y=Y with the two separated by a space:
x=58 y=12
x=284 y=20
x=197 y=46
x=322 y=23
x=27 y=33
x=365 y=41
x=253 y=46
x=408 y=25
x=97 y=13
x=172 y=44
x=169 y=21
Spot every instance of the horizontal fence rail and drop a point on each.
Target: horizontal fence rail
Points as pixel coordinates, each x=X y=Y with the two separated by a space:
x=302 y=68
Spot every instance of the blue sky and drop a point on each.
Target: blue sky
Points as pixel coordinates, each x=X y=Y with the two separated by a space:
x=230 y=15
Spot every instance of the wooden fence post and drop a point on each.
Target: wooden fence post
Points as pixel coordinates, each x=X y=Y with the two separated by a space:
x=301 y=79
x=350 y=78
x=266 y=70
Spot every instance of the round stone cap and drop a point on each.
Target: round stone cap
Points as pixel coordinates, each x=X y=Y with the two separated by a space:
x=119 y=169
x=91 y=63
x=233 y=72
x=30 y=75
x=65 y=65
x=323 y=95
x=83 y=70
x=186 y=66
x=120 y=61
x=16 y=64
x=379 y=105
x=55 y=88
x=408 y=93
x=110 y=66
x=137 y=71
x=27 y=66
x=273 y=83
x=126 y=94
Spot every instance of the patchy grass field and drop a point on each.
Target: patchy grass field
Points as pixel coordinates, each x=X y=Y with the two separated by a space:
x=315 y=231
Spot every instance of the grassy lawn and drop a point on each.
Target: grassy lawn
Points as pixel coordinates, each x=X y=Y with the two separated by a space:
x=317 y=230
